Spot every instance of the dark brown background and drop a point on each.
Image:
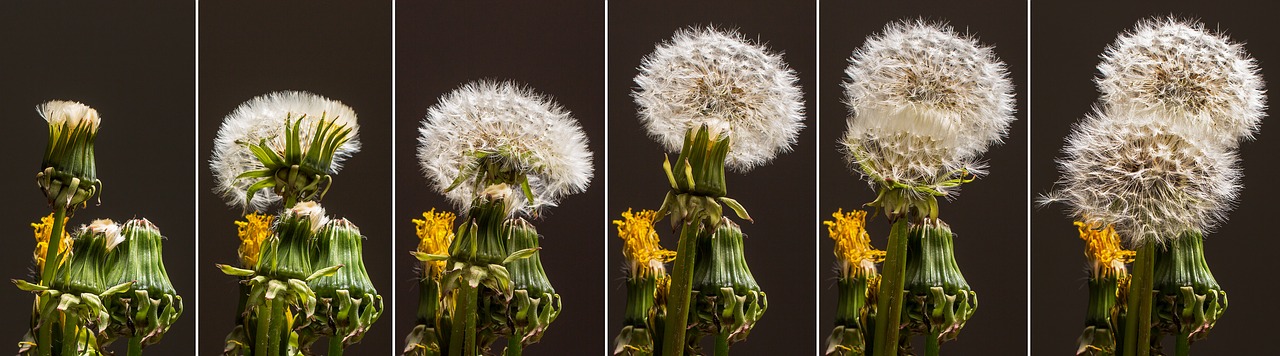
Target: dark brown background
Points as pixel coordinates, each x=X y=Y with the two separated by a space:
x=554 y=47
x=134 y=62
x=337 y=49
x=779 y=195
x=989 y=215
x=1068 y=39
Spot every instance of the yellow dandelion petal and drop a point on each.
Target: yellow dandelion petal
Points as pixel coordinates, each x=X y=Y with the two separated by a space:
x=850 y=234
x=435 y=233
x=252 y=231
x=640 y=242
x=1102 y=246
x=43 y=230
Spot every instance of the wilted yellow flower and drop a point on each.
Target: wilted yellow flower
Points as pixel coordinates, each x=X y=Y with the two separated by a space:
x=43 y=230
x=1103 y=248
x=853 y=245
x=435 y=233
x=252 y=232
x=640 y=242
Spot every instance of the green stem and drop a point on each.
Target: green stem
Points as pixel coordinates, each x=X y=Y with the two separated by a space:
x=264 y=329
x=1137 y=328
x=514 y=347
x=1184 y=344
x=279 y=335
x=69 y=334
x=889 y=300
x=931 y=343
x=335 y=345
x=681 y=287
x=44 y=341
x=722 y=344
x=55 y=243
x=464 y=322
x=135 y=346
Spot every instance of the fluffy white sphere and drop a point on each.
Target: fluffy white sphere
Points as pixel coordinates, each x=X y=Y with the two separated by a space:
x=1152 y=179
x=718 y=78
x=1178 y=69
x=926 y=102
x=531 y=134
x=263 y=118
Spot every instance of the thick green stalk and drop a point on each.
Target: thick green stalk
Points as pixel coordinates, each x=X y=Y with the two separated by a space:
x=45 y=338
x=264 y=329
x=55 y=243
x=464 y=321
x=889 y=300
x=279 y=329
x=931 y=343
x=514 y=346
x=135 y=346
x=1137 y=328
x=722 y=344
x=335 y=346
x=69 y=334
x=681 y=289
x=1184 y=343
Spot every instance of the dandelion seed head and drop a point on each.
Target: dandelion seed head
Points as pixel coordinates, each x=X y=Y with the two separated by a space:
x=69 y=113
x=264 y=118
x=526 y=131
x=718 y=78
x=1152 y=180
x=1180 y=70
x=926 y=103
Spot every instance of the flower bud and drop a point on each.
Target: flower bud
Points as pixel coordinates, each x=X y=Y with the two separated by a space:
x=727 y=299
x=69 y=176
x=938 y=300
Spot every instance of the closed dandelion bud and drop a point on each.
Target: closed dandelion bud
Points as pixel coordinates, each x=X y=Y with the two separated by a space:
x=348 y=302
x=1108 y=286
x=287 y=254
x=1188 y=299
x=728 y=302
x=938 y=300
x=534 y=303
x=856 y=284
x=151 y=305
x=69 y=174
x=289 y=141
x=84 y=272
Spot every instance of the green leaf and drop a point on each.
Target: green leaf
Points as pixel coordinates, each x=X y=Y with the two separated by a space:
x=524 y=186
x=427 y=257
x=520 y=255
x=737 y=208
x=233 y=271
x=28 y=286
x=325 y=272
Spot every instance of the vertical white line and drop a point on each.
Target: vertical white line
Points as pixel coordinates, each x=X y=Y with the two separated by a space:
x=605 y=210
x=195 y=143
x=817 y=179
x=1027 y=99
x=393 y=238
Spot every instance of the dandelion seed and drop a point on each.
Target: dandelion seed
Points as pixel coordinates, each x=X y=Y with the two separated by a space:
x=265 y=118
x=1154 y=181
x=718 y=78
x=926 y=103
x=518 y=131
x=1179 y=70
